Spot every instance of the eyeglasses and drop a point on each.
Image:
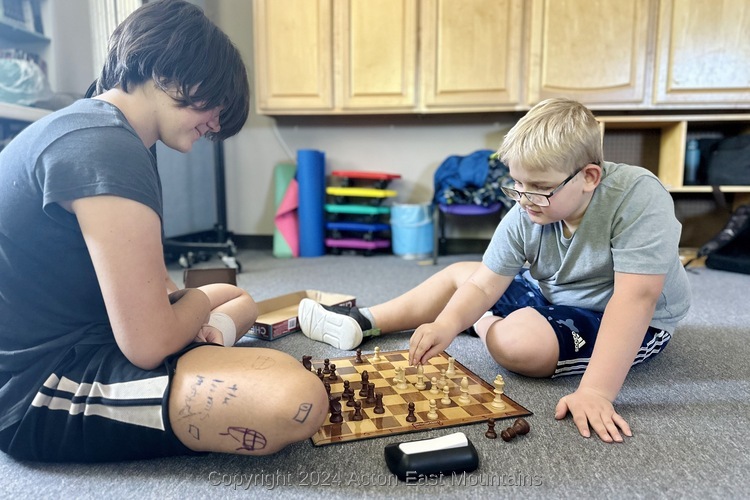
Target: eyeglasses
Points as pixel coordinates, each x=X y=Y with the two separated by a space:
x=538 y=199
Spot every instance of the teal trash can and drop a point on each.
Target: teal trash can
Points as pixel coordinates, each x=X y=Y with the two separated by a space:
x=412 y=230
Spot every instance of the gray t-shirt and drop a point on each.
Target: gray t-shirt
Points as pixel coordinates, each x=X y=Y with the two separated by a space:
x=629 y=227
x=50 y=298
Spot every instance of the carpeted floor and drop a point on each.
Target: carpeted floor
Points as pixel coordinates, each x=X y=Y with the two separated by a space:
x=689 y=409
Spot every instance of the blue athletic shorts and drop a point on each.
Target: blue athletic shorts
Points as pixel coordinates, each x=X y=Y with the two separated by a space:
x=576 y=328
x=96 y=406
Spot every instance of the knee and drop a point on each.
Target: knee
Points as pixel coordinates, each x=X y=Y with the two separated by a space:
x=459 y=272
x=302 y=402
x=523 y=345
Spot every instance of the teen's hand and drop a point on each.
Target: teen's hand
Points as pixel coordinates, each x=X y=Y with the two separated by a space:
x=211 y=334
x=427 y=341
x=591 y=409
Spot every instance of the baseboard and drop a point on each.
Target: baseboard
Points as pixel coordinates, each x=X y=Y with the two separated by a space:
x=452 y=245
x=253 y=241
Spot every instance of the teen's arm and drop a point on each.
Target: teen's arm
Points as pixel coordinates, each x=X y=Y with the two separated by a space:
x=468 y=303
x=624 y=324
x=123 y=238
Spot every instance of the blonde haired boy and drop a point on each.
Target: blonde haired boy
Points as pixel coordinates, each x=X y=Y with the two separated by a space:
x=582 y=276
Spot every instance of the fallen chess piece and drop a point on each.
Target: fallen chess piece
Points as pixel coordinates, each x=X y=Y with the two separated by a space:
x=519 y=428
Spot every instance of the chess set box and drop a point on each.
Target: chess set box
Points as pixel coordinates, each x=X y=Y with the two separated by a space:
x=277 y=317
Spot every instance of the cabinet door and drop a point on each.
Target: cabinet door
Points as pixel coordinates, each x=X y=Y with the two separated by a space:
x=293 y=53
x=595 y=52
x=703 y=52
x=376 y=47
x=471 y=53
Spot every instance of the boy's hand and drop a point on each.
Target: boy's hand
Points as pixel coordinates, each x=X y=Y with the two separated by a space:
x=427 y=341
x=590 y=408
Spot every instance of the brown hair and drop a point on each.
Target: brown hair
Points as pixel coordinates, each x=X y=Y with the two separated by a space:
x=173 y=44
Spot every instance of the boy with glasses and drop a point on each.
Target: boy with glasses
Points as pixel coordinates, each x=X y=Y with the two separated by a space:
x=603 y=289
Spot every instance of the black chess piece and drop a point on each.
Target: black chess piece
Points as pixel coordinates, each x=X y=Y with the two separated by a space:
x=410 y=417
x=335 y=406
x=491 y=434
x=357 y=411
x=378 y=404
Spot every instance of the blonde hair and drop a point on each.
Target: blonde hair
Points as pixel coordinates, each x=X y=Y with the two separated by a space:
x=557 y=134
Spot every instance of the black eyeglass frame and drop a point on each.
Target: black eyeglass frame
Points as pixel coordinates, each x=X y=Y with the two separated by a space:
x=515 y=194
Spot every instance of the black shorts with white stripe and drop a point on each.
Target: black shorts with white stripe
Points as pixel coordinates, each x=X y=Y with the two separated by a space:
x=96 y=406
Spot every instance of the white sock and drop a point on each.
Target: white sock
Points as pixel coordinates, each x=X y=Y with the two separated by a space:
x=365 y=311
x=488 y=313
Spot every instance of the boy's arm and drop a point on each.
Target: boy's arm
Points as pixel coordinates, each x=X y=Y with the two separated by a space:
x=624 y=323
x=468 y=303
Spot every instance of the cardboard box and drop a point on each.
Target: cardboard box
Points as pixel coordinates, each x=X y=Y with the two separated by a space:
x=278 y=316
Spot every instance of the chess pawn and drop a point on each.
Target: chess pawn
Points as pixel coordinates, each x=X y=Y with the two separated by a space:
x=333 y=376
x=420 y=385
x=519 y=428
x=434 y=389
x=357 y=411
x=443 y=381
x=410 y=417
x=508 y=434
x=446 y=397
x=376 y=357
x=378 y=404
x=432 y=414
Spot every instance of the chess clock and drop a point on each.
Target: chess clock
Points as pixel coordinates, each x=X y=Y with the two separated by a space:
x=415 y=460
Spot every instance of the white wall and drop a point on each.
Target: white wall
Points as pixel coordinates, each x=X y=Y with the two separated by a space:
x=412 y=146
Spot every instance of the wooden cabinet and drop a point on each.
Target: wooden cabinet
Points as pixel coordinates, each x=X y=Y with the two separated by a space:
x=703 y=51
x=355 y=56
x=293 y=55
x=471 y=56
x=375 y=53
x=594 y=52
x=333 y=56
x=423 y=56
x=658 y=142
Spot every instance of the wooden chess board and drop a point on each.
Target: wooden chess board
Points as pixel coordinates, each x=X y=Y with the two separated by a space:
x=395 y=401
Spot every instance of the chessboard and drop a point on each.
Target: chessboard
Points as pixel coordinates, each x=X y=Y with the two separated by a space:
x=391 y=381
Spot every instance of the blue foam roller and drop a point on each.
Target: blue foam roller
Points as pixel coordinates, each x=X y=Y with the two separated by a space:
x=311 y=177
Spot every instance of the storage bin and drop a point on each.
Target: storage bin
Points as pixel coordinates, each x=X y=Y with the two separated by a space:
x=412 y=230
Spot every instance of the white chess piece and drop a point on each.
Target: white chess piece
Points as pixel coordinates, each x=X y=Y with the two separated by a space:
x=446 y=397
x=451 y=367
x=432 y=414
x=376 y=357
x=434 y=389
x=402 y=379
x=499 y=384
x=420 y=385
x=464 y=398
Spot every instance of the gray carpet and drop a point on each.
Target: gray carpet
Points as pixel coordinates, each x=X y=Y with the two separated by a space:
x=689 y=409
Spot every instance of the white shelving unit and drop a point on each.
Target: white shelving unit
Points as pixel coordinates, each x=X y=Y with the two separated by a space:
x=21 y=113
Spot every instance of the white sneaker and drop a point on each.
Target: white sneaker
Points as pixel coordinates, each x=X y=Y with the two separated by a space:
x=338 y=330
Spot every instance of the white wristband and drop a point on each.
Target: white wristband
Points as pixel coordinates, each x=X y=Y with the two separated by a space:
x=226 y=326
